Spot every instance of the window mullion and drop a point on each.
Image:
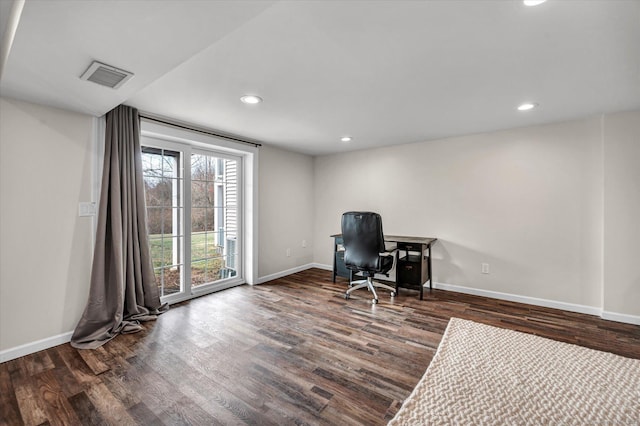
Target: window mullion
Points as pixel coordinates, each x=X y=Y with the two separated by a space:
x=186 y=183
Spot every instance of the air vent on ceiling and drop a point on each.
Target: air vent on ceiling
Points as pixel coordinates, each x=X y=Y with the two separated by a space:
x=106 y=75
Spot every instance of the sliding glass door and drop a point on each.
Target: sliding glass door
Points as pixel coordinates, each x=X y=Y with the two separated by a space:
x=194 y=217
x=163 y=183
x=214 y=218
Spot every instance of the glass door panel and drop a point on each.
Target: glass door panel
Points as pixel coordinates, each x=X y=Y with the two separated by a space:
x=214 y=190
x=163 y=195
x=193 y=214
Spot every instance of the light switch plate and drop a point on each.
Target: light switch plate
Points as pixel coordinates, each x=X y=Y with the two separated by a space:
x=87 y=209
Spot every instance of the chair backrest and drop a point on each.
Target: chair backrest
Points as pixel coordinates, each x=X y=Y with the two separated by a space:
x=363 y=240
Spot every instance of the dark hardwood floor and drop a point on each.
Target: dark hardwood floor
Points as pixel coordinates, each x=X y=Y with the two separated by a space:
x=292 y=351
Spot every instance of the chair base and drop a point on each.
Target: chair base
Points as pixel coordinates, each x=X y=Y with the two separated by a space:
x=371 y=286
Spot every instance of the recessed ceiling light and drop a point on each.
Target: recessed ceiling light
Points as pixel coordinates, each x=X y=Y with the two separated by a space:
x=346 y=139
x=527 y=106
x=251 y=99
x=533 y=2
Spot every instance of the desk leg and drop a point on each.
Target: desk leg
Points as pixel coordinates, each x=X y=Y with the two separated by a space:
x=429 y=269
x=397 y=268
x=335 y=267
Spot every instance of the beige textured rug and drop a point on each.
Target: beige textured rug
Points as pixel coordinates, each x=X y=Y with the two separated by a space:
x=491 y=376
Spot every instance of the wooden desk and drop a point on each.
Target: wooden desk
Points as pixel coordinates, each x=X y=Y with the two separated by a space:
x=413 y=261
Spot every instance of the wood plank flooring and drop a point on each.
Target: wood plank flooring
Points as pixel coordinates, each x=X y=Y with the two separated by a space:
x=292 y=351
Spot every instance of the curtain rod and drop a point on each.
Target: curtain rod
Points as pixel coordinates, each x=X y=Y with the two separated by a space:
x=194 y=129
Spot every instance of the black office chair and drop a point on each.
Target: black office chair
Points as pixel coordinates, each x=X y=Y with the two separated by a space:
x=365 y=252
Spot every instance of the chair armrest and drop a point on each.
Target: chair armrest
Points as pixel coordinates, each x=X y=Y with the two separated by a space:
x=389 y=252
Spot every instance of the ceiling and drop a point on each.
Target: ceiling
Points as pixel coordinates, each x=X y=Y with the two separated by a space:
x=383 y=72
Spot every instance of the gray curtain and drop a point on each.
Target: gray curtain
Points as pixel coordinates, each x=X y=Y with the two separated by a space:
x=123 y=288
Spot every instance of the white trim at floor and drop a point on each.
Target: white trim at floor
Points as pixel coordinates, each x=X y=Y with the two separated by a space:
x=281 y=274
x=38 y=345
x=571 y=307
x=613 y=316
x=29 y=348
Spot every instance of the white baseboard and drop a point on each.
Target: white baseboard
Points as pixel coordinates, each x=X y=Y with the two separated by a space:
x=322 y=266
x=572 y=307
x=614 y=316
x=29 y=348
x=285 y=273
x=39 y=345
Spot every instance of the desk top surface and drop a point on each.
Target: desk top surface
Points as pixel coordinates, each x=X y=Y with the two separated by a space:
x=403 y=239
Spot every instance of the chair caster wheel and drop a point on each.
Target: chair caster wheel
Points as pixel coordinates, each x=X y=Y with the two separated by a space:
x=347 y=296
x=374 y=301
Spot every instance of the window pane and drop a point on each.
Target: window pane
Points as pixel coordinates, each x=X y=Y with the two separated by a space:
x=163 y=251
x=170 y=165
x=218 y=237
x=216 y=269
x=162 y=191
x=230 y=218
x=231 y=246
x=172 y=279
x=176 y=218
x=203 y=219
x=198 y=220
x=219 y=169
x=198 y=245
x=159 y=278
x=198 y=273
x=150 y=195
x=208 y=270
x=231 y=183
x=151 y=165
x=172 y=251
x=213 y=189
x=198 y=171
x=210 y=222
x=154 y=221
x=199 y=194
x=231 y=251
x=202 y=167
x=217 y=219
x=213 y=248
x=167 y=221
x=155 y=244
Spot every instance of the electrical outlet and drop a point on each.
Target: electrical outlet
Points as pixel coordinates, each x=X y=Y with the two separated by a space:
x=288 y=252
x=304 y=243
x=485 y=268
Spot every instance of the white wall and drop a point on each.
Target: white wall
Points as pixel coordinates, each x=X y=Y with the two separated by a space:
x=622 y=213
x=46 y=161
x=286 y=214
x=46 y=165
x=527 y=201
